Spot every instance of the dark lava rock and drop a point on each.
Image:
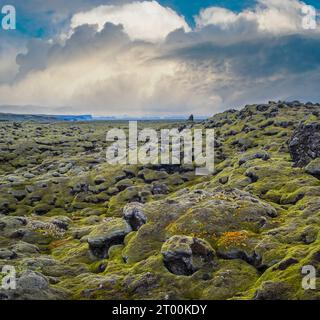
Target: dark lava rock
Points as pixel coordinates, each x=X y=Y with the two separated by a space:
x=185 y=255
x=304 y=144
x=4 y=206
x=309 y=235
x=244 y=143
x=270 y=290
x=224 y=180
x=32 y=286
x=133 y=213
x=262 y=107
x=6 y=254
x=313 y=168
x=254 y=259
x=142 y=285
x=19 y=194
x=159 y=188
x=33 y=281
x=124 y=184
x=286 y=264
x=79 y=187
x=111 y=233
x=61 y=222
x=42 y=209
x=252 y=174
x=315 y=258
x=257 y=155
x=99 y=180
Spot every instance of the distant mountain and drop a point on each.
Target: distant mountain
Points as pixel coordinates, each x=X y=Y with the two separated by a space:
x=57 y=118
x=86 y=117
x=43 y=118
x=64 y=113
x=147 y=118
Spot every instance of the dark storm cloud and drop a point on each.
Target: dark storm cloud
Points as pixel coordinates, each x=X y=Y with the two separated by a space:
x=286 y=67
x=259 y=57
x=83 y=42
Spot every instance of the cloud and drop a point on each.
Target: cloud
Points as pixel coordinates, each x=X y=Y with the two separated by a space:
x=228 y=60
x=270 y=16
x=104 y=72
x=145 y=20
x=47 y=18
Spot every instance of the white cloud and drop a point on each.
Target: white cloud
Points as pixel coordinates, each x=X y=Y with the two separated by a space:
x=271 y=16
x=216 y=16
x=9 y=49
x=106 y=85
x=8 y=66
x=105 y=73
x=145 y=20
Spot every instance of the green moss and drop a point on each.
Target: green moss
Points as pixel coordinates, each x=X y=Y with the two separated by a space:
x=262 y=207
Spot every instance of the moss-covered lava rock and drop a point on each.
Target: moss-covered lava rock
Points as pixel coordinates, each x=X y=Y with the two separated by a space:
x=76 y=227
x=109 y=233
x=184 y=255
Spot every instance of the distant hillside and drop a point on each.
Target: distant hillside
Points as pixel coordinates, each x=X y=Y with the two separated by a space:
x=43 y=118
x=56 y=118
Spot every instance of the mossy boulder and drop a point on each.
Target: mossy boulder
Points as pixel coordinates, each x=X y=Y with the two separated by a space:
x=33 y=285
x=6 y=254
x=224 y=210
x=313 y=168
x=124 y=184
x=111 y=232
x=134 y=214
x=274 y=290
x=263 y=155
x=183 y=255
x=151 y=175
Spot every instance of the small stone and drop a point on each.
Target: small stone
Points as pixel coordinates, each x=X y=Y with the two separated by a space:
x=29 y=175
x=224 y=180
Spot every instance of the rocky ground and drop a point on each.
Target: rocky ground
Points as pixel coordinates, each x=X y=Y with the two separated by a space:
x=76 y=227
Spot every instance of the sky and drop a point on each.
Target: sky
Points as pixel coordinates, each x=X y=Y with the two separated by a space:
x=165 y=57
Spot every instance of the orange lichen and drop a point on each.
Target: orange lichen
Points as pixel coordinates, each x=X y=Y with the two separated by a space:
x=236 y=238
